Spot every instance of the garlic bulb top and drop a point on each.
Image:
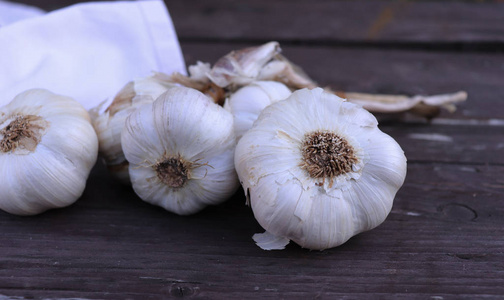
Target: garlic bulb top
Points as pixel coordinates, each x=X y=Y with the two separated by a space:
x=318 y=171
x=110 y=122
x=47 y=149
x=243 y=66
x=247 y=103
x=283 y=70
x=180 y=150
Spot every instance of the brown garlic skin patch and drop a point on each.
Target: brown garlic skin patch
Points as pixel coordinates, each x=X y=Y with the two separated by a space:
x=326 y=155
x=23 y=132
x=123 y=99
x=174 y=172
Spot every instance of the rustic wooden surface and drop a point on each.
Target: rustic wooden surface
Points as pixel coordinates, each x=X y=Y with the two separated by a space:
x=444 y=238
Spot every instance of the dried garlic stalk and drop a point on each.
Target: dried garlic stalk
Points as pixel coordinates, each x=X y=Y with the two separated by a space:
x=282 y=70
x=425 y=106
x=265 y=63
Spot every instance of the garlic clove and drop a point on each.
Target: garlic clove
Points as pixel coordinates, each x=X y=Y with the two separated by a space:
x=180 y=150
x=47 y=150
x=247 y=103
x=318 y=170
x=109 y=122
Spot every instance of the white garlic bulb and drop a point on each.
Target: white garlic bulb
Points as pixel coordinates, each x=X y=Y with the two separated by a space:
x=47 y=150
x=247 y=103
x=180 y=150
x=109 y=123
x=318 y=171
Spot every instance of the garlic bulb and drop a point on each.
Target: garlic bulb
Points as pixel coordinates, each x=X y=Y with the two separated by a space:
x=109 y=123
x=317 y=170
x=180 y=150
x=47 y=149
x=247 y=103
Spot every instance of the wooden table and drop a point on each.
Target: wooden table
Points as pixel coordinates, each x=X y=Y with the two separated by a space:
x=444 y=238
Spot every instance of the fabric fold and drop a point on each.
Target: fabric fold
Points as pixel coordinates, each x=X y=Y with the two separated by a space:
x=88 y=51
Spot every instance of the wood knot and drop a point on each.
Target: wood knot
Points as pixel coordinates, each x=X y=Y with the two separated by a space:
x=458 y=211
x=182 y=290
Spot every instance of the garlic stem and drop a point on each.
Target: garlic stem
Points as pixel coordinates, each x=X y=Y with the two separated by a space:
x=427 y=106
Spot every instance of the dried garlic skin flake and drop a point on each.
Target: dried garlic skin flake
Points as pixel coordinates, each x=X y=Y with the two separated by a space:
x=47 y=149
x=242 y=67
x=318 y=171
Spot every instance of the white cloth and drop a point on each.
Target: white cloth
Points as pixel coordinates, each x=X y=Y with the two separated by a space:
x=11 y=12
x=88 y=51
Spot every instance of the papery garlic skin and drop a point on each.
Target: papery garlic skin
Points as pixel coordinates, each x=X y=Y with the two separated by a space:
x=247 y=103
x=199 y=71
x=180 y=150
x=197 y=78
x=242 y=67
x=282 y=70
x=110 y=122
x=325 y=211
x=46 y=161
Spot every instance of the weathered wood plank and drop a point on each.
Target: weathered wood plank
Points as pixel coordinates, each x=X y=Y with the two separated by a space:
x=477 y=145
x=340 y=21
x=442 y=238
x=403 y=22
x=392 y=72
x=379 y=70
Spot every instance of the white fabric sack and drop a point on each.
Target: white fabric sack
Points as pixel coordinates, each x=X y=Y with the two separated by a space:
x=11 y=12
x=88 y=51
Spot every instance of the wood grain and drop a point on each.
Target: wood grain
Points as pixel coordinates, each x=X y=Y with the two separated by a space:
x=438 y=239
x=340 y=21
x=442 y=239
x=464 y=24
